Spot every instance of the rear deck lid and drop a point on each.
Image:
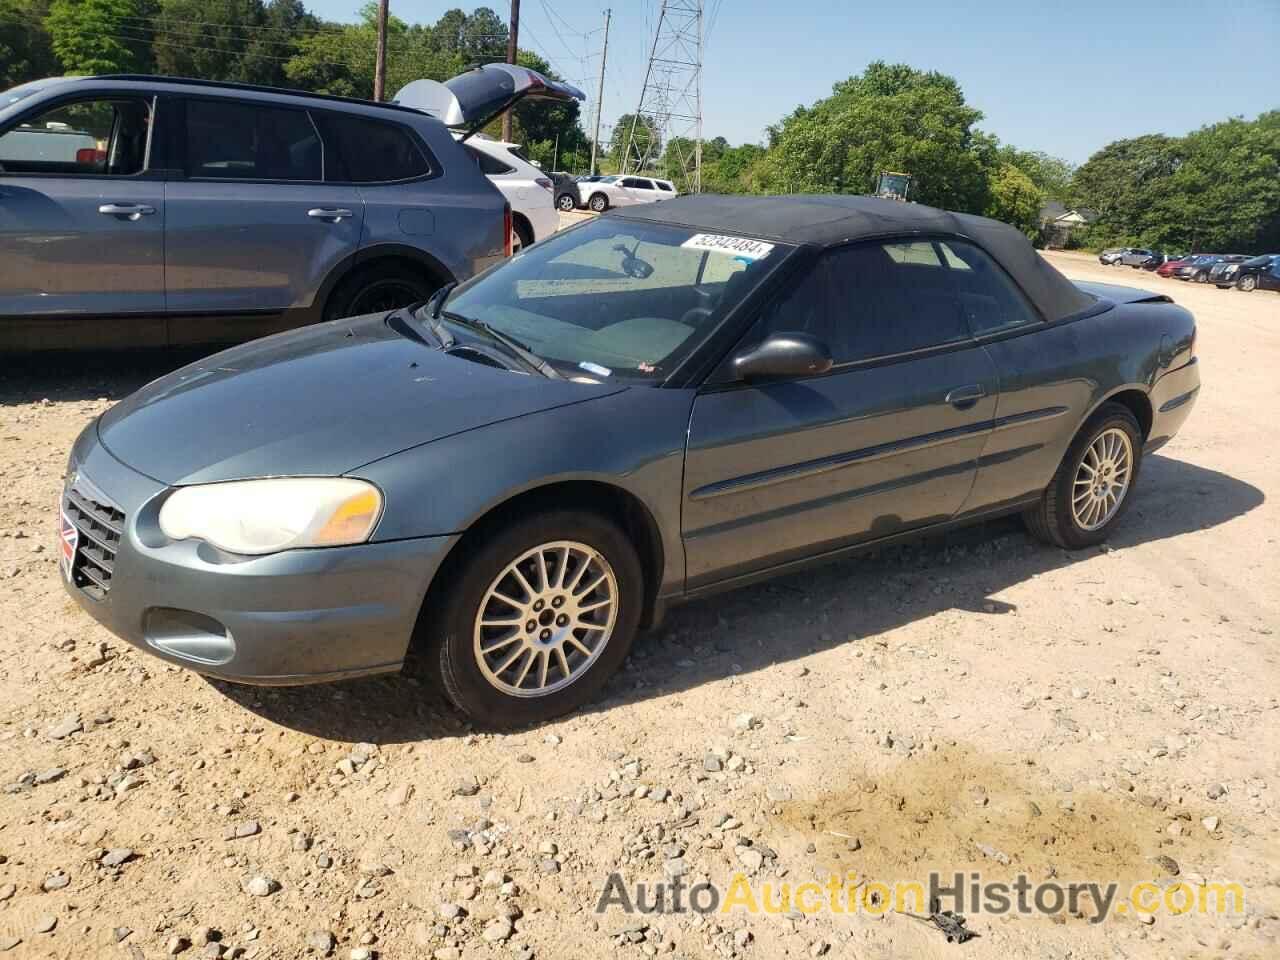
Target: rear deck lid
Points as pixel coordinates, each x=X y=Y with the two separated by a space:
x=470 y=100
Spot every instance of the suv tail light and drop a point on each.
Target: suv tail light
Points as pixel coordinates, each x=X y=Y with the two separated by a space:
x=544 y=183
x=508 y=227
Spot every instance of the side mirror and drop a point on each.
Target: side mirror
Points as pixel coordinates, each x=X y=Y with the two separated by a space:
x=783 y=355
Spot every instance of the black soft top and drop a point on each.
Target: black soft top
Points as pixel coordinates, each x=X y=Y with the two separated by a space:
x=829 y=220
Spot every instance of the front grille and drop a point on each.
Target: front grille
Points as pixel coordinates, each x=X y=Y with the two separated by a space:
x=100 y=525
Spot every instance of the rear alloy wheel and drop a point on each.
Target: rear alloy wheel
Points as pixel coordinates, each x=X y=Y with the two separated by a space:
x=1092 y=487
x=599 y=202
x=1247 y=283
x=566 y=203
x=379 y=290
x=538 y=618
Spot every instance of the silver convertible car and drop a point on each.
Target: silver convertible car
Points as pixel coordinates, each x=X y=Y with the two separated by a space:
x=673 y=399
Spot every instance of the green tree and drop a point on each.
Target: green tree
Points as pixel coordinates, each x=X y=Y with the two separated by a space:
x=26 y=51
x=101 y=36
x=647 y=140
x=1013 y=198
x=1051 y=174
x=894 y=117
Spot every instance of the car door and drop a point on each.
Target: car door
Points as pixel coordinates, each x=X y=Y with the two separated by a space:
x=82 y=219
x=1046 y=372
x=254 y=228
x=1269 y=279
x=888 y=440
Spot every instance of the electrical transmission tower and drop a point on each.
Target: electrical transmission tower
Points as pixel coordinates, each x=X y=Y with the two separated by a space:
x=671 y=98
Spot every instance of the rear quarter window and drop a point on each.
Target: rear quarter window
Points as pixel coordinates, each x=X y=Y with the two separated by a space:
x=364 y=150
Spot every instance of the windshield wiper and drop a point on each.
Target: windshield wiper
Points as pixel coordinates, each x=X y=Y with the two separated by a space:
x=431 y=310
x=522 y=352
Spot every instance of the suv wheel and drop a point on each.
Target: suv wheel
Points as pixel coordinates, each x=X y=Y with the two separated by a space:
x=538 y=618
x=599 y=202
x=1094 y=484
x=566 y=202
x=1247 y=283
x=521 y=236
x=1202 y=276
x=379 y=289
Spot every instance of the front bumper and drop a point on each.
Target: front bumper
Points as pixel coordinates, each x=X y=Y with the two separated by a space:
x=300 y=616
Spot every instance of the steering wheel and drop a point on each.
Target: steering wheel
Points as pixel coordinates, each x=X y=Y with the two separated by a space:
x=694 y=316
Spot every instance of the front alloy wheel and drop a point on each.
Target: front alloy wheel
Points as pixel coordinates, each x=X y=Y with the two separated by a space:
x=546 y=619
x=1247 y=283
x=534 y=618
x=599 y=203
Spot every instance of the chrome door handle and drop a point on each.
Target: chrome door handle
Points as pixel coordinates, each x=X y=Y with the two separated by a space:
x=326 y=213
x=962 y=398
x=129 y=211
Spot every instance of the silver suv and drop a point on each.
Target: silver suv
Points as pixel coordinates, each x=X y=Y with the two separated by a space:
x=150 y=211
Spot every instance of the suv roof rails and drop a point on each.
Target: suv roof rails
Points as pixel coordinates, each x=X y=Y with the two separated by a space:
x=252 y=87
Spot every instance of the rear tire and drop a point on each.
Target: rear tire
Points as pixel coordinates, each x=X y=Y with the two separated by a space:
x=470 y=652
x=521 y=235
x=566 y=203
x=379 y=289
x=1106 y=451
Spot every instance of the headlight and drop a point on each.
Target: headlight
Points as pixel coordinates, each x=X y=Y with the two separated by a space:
x=266 y=516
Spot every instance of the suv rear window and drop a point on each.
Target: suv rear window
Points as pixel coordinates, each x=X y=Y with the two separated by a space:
x=243 y=141
x=489 y=166
x=360 y=150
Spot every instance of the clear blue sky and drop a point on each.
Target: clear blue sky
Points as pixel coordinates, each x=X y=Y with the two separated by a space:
x=1064 y=77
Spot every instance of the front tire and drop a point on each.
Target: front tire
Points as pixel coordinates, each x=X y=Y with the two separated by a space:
x=538 y=617
x=1094 y=484
x=1247 y=284
x=599 y=202
x=566 y=203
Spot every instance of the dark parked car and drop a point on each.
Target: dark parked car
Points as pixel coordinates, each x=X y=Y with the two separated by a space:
x=667 y=401
x=1260 y=273
x=1197 y=268
x=185 y=211
x=1223 y=273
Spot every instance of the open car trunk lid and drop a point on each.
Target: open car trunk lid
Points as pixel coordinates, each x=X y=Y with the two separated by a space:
x=470 y=100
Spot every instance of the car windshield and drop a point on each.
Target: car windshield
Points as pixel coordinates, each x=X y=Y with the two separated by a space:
x=615 y=298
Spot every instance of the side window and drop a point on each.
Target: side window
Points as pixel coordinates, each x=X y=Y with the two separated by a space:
x=988 y=298
x=249 y=141
x=489 y=166
x=664 y=186
x=94 y=137
x=373 y=151
x=874 y=300
x=634 y=183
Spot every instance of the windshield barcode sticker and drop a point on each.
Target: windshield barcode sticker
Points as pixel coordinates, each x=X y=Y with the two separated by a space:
x=733 y=246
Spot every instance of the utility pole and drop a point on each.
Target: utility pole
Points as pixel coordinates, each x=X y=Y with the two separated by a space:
x=513 y=40
x=380 y=57
x=595 y=140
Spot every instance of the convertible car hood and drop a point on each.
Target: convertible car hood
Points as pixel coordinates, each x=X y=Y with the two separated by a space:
x=318 y=401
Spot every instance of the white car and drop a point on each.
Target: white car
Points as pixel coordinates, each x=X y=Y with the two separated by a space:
x=618 y=191
x=527 y=189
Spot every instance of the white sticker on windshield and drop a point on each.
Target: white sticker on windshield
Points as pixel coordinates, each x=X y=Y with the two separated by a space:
x=742 y=247
x=595 y=368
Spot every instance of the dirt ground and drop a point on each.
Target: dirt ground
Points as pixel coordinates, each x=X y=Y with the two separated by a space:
x=978 y=702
